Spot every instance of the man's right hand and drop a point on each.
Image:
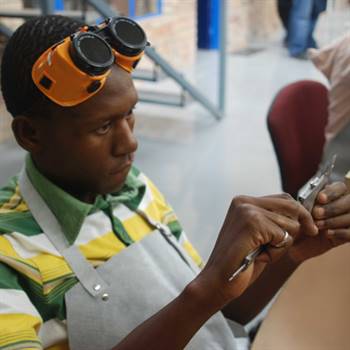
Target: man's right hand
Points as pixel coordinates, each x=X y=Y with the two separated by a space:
x=250 y=223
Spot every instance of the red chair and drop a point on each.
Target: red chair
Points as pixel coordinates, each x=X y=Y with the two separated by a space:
x=296 y=123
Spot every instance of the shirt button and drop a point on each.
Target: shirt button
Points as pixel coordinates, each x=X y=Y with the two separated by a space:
x=96 y=287
x=105 y=296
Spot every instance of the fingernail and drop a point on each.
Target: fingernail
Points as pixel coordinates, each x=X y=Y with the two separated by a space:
x=330 y=233
x=325 y=197
x=322 y=197
x=316 y=229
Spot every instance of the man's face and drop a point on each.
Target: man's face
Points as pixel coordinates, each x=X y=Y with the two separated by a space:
x=89 y=149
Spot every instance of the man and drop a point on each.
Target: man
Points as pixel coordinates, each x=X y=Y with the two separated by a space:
x=283 y=8
x=92 y=256
x=333 y=62
x=302 y=21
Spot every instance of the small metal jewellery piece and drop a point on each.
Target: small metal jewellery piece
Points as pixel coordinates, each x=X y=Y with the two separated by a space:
x=283 y=242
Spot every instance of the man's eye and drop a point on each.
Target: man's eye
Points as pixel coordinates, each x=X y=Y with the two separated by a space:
x=104 y=129
x=131 y=111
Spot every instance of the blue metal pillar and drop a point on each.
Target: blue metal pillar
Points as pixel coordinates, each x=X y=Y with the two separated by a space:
x=59 y=5
x=208 y=15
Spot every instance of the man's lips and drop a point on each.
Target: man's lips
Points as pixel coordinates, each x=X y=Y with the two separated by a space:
x=124 y=166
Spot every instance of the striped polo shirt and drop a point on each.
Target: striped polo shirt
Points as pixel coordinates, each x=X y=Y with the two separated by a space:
x=34 y=277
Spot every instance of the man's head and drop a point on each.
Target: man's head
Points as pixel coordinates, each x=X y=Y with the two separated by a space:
x=23 y=49
x=86 y=149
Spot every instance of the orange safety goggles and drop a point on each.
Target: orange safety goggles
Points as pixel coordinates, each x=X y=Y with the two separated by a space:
x=77 y=67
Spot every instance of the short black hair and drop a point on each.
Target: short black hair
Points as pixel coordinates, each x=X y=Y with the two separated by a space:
x=27 y=43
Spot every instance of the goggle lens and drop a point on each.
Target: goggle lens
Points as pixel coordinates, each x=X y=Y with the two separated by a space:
x=128 y=33
x=91 y=53
x=94 y=50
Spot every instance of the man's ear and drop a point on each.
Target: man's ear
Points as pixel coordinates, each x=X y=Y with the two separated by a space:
x=27 y=133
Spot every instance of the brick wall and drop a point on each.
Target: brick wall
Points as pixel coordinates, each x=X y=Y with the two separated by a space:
x=250 y=22
x=339 y=4
x=174 y=32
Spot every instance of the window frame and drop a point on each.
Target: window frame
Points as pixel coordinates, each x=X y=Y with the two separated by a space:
x=132 y=10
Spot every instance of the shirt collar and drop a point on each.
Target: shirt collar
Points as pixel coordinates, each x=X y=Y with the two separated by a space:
x=69 y=211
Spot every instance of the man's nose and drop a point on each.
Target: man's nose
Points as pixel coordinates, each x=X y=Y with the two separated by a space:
x=124 y=140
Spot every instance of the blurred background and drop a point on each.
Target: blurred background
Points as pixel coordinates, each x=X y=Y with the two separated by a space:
x=205 y=89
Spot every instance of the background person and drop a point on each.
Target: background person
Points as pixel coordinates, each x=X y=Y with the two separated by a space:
x=302 y=22
x=283 y=8
x=334 y=62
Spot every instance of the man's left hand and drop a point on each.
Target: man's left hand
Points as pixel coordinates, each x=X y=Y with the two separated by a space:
x=332 y=216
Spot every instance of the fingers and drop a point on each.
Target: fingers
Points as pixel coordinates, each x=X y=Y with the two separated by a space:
x=281 y=203
x=338 y=237
x=287 y=205
x=276 y=253
x=284 y=205
x=307 y=224
x=336 y=207
x=331 y=192
x=278 y=246
x=337 y=222
x=275 y=228
x=333 y=208
x=285 y=223
x=279 y=238
x=259 y=226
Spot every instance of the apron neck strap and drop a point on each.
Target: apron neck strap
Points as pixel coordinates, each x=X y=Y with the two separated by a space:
x=84 y=271
x=41 y=213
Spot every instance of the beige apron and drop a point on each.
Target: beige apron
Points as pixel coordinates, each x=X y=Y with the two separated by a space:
x=110 y=301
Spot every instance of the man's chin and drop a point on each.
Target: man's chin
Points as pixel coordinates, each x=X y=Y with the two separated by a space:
x=113 y=188
x=118 y=188
x=115 y=182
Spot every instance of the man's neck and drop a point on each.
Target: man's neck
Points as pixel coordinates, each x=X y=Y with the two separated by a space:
x=86 y=197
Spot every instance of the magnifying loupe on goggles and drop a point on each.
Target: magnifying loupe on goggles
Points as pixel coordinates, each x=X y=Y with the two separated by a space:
x=77 y=67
